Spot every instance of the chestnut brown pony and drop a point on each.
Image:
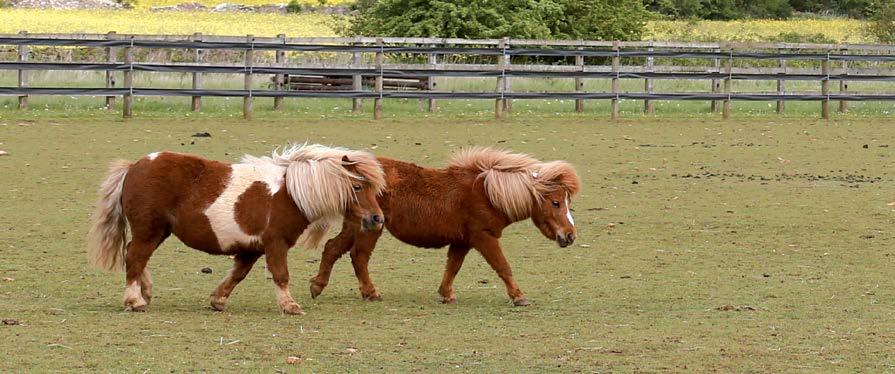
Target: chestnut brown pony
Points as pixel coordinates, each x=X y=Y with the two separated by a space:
x=259 y=206
x=467 y=205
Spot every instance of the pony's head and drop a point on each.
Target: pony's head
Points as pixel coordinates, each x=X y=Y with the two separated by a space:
x=329 y=183
x=556 y=183
x=522 y=187
x=367 y=183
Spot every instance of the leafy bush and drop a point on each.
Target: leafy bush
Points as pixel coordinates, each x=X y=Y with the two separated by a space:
x=882 y=21
x=529 y=19
x=293 y=7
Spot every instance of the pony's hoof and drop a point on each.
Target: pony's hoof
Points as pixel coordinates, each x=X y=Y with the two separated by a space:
x=218 y=303
x=521 y=302
x=136 y=308
x=373 y=297
x=449 y=300
x=293 y=309
x=316 y=290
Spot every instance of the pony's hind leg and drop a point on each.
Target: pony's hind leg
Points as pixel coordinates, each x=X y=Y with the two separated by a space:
x=360 y=259
x=332 y=251
x=242 y=265
x=276 y=262
x=455 y=256
x=146 y=285
x=138 y=253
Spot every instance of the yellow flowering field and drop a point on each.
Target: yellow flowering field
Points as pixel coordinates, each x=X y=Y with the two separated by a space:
x=840 y=30
x=146 y=4
x=146 y=22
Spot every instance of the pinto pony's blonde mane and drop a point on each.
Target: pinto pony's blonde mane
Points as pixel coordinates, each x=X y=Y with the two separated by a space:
x=319 y=183
x=515 y=182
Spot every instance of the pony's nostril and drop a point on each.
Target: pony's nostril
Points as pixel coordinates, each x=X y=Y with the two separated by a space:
x=378 y=219
x=570 y=237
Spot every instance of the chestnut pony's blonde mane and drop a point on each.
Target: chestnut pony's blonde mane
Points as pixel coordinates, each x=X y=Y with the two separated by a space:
x=514 y=182
x=320 y=185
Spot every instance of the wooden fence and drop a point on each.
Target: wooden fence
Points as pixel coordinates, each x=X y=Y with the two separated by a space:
x=502 y=60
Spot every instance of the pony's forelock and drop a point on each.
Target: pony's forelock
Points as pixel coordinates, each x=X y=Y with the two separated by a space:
x=555 y=175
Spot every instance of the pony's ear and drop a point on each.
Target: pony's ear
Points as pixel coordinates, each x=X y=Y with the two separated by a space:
x=347 y=162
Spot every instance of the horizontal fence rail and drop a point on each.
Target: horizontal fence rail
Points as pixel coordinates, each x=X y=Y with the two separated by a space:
x=564 y=59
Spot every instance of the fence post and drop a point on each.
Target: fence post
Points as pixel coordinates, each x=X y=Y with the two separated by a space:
x=377 y=102
x=716 y=84
x=498 y=103
x=507 y=81
x=825 y=87
x=280 y=79
x=579 y=83
x=728 y=69
x=127 y=100
x=648 y=84
x=196 y=104
x=357 y=84
x=843 y=85
x=615 y=63
x=110 y=75
x=430 y=83
x=781 y=85
x=23 y=74
x=249 y=62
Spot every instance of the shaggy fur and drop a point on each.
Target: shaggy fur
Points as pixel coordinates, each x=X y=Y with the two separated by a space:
x=515 y=182
x=320 y=185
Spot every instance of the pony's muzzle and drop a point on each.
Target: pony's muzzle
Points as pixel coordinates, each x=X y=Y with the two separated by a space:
x=565 y=240
x=372 y=223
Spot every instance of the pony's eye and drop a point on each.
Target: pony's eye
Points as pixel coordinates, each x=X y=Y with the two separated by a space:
x=555 y=204
x=356 y=187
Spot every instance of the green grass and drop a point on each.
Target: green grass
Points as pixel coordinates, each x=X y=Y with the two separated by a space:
x=812 y=257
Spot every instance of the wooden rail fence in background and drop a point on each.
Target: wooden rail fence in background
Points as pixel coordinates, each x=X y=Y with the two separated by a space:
x=425 y=59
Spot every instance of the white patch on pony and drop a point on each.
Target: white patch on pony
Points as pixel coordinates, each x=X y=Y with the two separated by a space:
x=222 y=212
x=152 y=156
x=132 y=295
x=569 y=211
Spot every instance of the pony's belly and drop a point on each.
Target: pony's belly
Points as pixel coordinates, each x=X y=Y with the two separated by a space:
x=427 y=240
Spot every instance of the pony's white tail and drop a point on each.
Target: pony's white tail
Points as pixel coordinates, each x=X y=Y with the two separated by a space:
x=107 y=238
x=316 y=231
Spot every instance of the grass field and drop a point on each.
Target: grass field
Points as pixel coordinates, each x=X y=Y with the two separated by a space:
x=759 y=245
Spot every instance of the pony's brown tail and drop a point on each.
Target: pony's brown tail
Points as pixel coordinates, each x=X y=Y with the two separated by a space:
x=107 y=238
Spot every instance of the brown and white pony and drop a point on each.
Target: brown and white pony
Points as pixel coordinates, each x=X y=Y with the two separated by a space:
x=259 y=206
x=466 y=205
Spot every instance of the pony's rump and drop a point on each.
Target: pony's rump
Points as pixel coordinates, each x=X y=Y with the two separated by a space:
x=107 y=237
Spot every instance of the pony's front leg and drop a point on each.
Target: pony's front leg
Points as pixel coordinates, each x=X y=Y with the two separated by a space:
x=456 y=254
x=332 y=251
x=242 y=265
x=489 y=247
x=360 y=259
x=276 y=264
